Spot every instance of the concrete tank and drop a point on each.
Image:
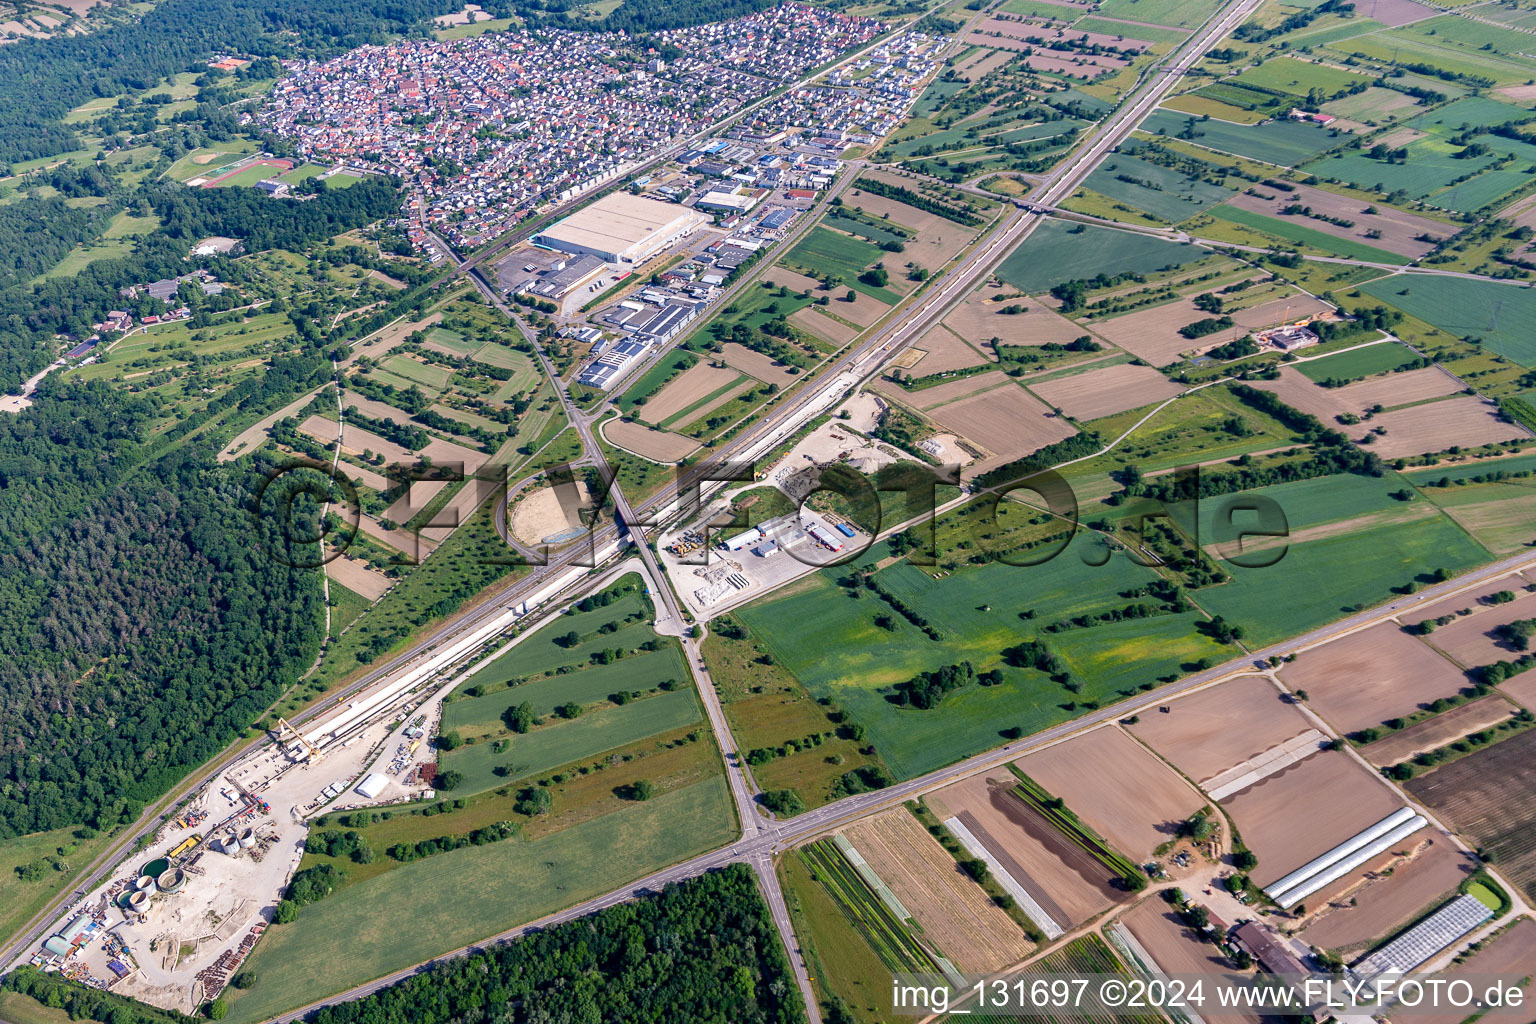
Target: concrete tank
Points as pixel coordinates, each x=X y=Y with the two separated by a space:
x=145 y=882
x=171 y=880
x=139 y=900
x=248 y=838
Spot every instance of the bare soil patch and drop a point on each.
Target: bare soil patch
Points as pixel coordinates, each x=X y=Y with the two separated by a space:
x=541 y=513
x=813 y=321
x=1399 y=230
x=447 y=453
x=1472 y=640
x=955 y=913
x=756 y=364
x=1521 y=689
x=863 y=310
x=1277 y=311
x=1104 y=392
x=793 y=280
x=1369 y=676
x=1206 y=733
x=1179 y=950
x=996 y=414
x=1439 y=730
x=1380 y=905
x=979 y=319
x=1068 y=884
x=936 y=239
x=656 y=445
x=358 y=578
x=1124 y=793
x=1153 y=333
x=373 y=408
x=1465 y=422
x=1395 y=389
x=1473 y=602
x=417 y=496
x=1300 y=813
x=944 y=351
x=355 y=440
x=688 y=387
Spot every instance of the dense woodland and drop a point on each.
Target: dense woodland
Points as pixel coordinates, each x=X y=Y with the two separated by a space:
x=701 y=950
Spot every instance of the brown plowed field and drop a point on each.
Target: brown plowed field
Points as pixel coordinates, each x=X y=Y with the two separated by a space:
x=1069 y=884
x=1394 y=389
x=1153 y=333
x=1465 y=422
x=356 y=440
x=1512 y=955
x=1521 y=689
x=1120 y=790
x=688 y=387
x=995 y=413
x=944 y=351
x=1104 y=392
x=444 y=453
x=1305 y=810
x=1178 y=950
x=978 y=320
x=793 y=280
x=373 y=408
x=1208 y=732
x=656 y=445
x=358 y=578
x=1490 y=797
x=756 y=364
x=1472 y=641
x=957 y=915
x=1277 y=311
x=1473 y=600
x=1378 y=907
x=1372 y=675
x=812 y=321
x=936 y=239
x=1399 y=230
x=1439 y=730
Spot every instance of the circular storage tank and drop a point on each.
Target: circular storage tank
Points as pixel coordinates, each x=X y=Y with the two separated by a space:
x=171 y=880
x=139 y=900
x=155 y=868
x=248 y=838
x=144 y=882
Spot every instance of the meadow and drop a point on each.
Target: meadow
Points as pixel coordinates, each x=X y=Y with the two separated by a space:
x=426 y=908
x=831 y=643
x=1360 y=362
x=1287 y=143
x=1057 y=251
x=1432 y=164
x=1161 y=191
x=824 y=251
x=565 y=740
x=1502 y=315
x=640 y=672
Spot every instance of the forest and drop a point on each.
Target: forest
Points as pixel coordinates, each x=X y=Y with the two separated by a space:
x=700 y=950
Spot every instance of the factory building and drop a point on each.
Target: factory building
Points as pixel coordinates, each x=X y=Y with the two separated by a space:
x=622 y=228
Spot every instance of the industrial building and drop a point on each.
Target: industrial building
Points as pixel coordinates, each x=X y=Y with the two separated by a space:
x=565 y=276
x=373 y=785
x=622 y=228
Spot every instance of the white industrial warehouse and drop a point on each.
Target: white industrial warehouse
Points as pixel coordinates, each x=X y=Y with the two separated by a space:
x=622 y=228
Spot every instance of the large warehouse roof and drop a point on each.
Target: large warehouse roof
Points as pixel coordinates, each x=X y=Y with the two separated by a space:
x=619 y=221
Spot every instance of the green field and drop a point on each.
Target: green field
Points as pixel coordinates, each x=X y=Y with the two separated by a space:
x=1296 y=230
x=1058 y=251
x=429 y=375
x=564 y=741
x=1161 y=191
x=641 y=672
x=1466 y=471
x=649 y=382
x=1432 y=164
x=833 y=646
x=1502 y=315
x=1173 y=13
x=1287 y=143
x=824 y=251
x=420 y=910
x=1298 y=77
x=453 y=341
x=1360 y=362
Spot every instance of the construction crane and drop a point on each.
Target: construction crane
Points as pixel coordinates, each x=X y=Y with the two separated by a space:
x=283 y=726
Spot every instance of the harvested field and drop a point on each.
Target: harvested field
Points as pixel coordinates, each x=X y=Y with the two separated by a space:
x=1114 y=785
x=363 y=477
x=1439 y=730
x=756 y=364
x=1179 y=950
x=1473 y=601
x=1369 y=676
x=1490 y=797
x=1209 y=732
x=944 y=351
x=1400 y=12
x=1402 y=388
x=1521 y=689
x=355 y=440
x=358 y=578
x=793 y=280
x=1502 y=525
x=691 y=386
x=1307 y=809
x=1378 y=907
x=863 y=310
x=1095 y=393
x=1472 y=640
x=403 y=541
x=956 y=914
x=416 y=497
x=996 y=414
x=1066 y=881
x=656 y=445
x=1298 y=391
x=936 y=239
x=386 y=338
x=1399 y=230
x=813 y=321
x=1511 y=955
x=978 y=320
x=1465 y=422
x=373 y=408
x=446 y=453
x=1153 y=333
x=1278 y=311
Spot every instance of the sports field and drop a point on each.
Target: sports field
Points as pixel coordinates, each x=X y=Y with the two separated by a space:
x=420 y=910
x=1058 y=251
x=1502 y=315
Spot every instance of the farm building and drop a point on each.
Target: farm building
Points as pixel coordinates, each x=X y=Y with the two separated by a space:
x=1344 y=858
x=1425 y=939
x=621 y=228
